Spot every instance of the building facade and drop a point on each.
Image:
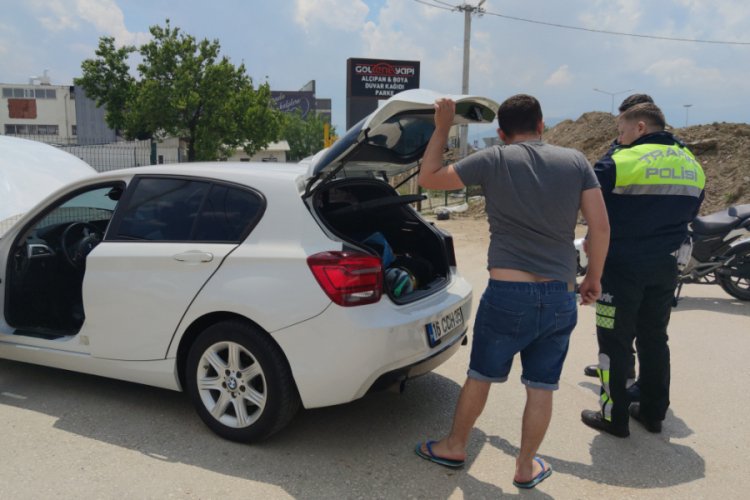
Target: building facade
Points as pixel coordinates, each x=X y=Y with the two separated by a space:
x=41 y=111
x=64 y=115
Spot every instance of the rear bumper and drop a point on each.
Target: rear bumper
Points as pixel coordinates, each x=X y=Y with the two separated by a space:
x=402 y=374
x=346 y=352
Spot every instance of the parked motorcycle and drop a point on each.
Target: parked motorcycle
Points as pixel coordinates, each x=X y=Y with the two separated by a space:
x=720 y=252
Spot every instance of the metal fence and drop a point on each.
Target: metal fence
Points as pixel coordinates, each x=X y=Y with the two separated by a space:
x=442 y=199
x=113 y=155
x=104 y=157
x=436 y=200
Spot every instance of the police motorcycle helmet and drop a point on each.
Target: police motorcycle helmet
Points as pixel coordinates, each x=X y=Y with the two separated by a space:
x=400 y=281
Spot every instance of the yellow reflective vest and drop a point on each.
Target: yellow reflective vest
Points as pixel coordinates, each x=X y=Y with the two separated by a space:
x=652 y=188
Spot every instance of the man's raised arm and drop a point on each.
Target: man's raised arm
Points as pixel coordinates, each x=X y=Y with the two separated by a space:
x=432 y=173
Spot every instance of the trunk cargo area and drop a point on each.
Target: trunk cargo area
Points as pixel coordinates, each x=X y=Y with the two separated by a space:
x=369 y=214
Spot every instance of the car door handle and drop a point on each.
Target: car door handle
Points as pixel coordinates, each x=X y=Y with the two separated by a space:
x=194 y=256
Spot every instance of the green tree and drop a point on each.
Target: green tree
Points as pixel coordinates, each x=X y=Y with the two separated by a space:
x=107 y=80
x=185 y=90
x=304 y=135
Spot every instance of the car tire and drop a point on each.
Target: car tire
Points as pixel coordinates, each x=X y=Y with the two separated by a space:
x=240 y=382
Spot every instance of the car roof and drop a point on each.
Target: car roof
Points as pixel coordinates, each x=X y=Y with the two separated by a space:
x=259 y=175
x=225 y=170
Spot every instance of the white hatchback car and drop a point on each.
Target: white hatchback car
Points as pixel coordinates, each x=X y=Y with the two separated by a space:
x=253 y=287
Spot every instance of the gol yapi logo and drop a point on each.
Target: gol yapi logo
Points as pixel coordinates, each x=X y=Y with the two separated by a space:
x=384 y=69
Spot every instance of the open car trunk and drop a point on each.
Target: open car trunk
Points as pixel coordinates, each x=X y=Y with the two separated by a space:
x=369 y=214
x=346 y=189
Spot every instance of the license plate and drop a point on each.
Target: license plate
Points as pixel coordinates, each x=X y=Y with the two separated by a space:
x=442 y=327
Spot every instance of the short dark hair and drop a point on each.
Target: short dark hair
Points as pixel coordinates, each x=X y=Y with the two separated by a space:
x=648 y=112
x=634 y=99
x=519 y=114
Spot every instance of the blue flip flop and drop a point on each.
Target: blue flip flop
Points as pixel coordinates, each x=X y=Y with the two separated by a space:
x=445 y=462
x=544 y=474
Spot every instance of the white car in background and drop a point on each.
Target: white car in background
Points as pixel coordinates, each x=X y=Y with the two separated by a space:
x=255 y=288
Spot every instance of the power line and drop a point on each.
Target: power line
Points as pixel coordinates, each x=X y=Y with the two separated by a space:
x=433 y=5
x=591 y=30
x=620 y=33
x=453 y=7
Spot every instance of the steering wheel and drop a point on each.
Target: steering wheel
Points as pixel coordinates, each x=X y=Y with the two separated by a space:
x=86 y=235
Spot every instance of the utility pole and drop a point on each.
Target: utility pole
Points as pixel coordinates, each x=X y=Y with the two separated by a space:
x=687 y=107
x=468 y=10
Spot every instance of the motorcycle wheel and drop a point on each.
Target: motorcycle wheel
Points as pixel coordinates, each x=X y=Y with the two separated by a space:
x=736 y=282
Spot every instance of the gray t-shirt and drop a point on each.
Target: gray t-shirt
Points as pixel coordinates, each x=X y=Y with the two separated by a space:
x=532 y=194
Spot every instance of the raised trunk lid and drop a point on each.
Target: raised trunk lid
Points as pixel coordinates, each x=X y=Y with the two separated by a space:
x=393 y=138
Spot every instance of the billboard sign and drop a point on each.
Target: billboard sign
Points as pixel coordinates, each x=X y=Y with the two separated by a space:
x=380 y=78
x=288 y=102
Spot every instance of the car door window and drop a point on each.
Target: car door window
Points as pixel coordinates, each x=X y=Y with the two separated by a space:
x=90 y=206
x=162 y=209
x=188 y=210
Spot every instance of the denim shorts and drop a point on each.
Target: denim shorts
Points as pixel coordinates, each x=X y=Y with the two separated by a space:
x=535 y=319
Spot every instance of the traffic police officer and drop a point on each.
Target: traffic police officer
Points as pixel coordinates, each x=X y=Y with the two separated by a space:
x=653 y=188
x=593 y=370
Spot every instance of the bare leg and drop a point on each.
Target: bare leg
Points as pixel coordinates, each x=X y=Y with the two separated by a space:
x=536 y=418
x=470 y=404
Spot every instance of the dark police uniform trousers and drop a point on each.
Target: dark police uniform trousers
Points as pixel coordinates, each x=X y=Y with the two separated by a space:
x=636 y=303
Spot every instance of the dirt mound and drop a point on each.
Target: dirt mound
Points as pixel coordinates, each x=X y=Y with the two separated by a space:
x=591 y=134
x=723 y=149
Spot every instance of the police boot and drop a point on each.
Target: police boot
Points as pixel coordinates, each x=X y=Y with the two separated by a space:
x=596 y=420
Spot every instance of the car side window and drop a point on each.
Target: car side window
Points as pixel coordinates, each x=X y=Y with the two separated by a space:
x=227 y=214
x=187 y=210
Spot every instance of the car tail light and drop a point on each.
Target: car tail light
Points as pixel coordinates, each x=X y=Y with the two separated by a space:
x=348 y=278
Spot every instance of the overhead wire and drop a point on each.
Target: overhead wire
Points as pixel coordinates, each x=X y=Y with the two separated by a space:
x=433 y=5
x=446 y=4
x=591 y=30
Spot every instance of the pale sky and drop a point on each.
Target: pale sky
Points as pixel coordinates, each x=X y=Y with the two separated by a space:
x=289 y=42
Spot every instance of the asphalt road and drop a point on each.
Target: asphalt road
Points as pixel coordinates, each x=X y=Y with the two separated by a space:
x=66 y=435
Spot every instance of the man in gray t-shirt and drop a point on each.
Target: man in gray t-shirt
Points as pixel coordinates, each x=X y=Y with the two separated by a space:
x=533 y=193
